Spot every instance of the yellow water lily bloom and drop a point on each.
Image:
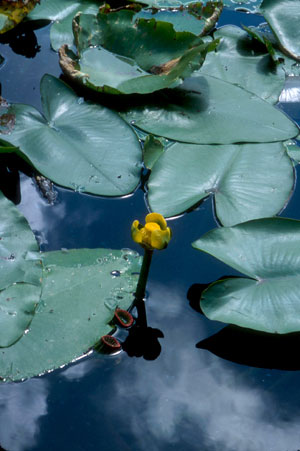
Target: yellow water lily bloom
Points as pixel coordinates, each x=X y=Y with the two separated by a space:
x=154 y=234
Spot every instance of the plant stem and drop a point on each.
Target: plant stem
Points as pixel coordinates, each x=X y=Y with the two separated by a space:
x=141 y=286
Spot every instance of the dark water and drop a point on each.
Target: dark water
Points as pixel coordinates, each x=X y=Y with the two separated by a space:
x=223 y=397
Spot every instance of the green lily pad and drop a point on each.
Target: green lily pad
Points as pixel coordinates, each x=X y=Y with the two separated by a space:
x=243 y=5
x=207 y=110
x=81 y=289
x=267 y=251
x=264 y=35
x=248 y=181
x=117 y=56
x=240 y=61
x=20 y=285
x=153 y=149
x=283 y=17
x=293 y=150
x=198 y=18
x=12 y=12
x=62 y=13
x=77 y=144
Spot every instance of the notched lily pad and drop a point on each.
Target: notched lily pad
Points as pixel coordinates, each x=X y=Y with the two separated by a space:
x=61 y=13
x=20 y=284
x=247 y=181
x=283 y=17
x=75 y=143
x=268 y=252
x=245 y=62
x=116 y=55
x=79 y=298
x=208 y=110
x=12 y=12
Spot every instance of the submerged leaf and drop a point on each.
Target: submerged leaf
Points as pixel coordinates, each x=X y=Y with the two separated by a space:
x=268 y=251
x=76 y=143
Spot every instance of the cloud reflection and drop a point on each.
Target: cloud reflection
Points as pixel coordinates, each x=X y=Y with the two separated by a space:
x=199 y=402
x=21 y=407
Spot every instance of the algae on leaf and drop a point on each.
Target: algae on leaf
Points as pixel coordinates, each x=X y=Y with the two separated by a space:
x=76 y=144
x=12 y=12
x=119 y=56
x=268 y=252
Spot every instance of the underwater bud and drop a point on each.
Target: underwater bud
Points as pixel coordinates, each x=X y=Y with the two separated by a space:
x=154 y=234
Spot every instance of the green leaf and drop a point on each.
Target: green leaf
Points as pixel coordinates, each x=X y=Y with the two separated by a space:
x=248 y=181
x=117 y=56
x=62 y=13
x=20 y=285
x=153 y=149
x=77 y=144
x=283 y=17
x=240 y=61
x=198 y=18
x=81 y=289
x=268 y=251
x=293 y=150
x=207 y=110
x=245 y=5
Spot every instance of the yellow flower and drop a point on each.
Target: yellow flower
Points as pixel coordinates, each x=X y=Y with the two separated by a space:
x=154 y=235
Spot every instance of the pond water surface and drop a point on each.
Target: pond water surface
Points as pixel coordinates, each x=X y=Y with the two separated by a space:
x=220 y=395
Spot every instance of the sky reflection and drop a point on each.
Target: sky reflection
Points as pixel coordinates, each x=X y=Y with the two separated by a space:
x=21 y=407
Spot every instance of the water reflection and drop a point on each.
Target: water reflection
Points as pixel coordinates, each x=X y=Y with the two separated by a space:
x=255 y=348
x=22 y=40
x=191 y=402
x=21 y=407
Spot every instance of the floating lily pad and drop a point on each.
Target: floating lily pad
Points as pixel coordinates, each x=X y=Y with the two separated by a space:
x=153 y=149
x=81 y=289
x=207 y=110
x=198 y=18
x=240 y=61
x=293 y=150
x=20 y=285
x=283 y=17
x=62 y=13
x=12 y=12
x=117 y=56
x=248 y=181
x=267 y=251
x=76 y=144
x=264 y=35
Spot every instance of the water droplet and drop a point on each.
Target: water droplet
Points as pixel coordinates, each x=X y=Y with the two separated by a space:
x=115 y=273
x=80 y=100
x=12 y=257
x=132 y=122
